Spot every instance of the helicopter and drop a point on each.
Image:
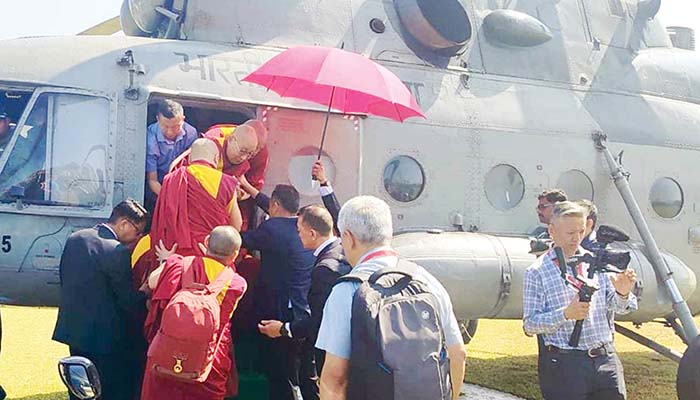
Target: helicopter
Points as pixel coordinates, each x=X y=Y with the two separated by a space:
x=519 y=96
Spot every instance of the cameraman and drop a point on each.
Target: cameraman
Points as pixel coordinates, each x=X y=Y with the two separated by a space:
x=591 y=371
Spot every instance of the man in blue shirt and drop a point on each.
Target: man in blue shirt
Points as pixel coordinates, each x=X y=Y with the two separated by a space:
x=166 y=139
x=366 y=230
x=551 y=307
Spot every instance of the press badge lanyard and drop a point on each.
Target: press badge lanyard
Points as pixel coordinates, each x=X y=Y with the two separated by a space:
x=377 y=254
x=572 y=280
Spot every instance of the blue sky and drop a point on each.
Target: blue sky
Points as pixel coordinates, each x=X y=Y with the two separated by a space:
x=67 y=17
x=54 y=17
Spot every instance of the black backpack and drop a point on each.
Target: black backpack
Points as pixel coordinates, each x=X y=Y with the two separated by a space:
x=398 y=344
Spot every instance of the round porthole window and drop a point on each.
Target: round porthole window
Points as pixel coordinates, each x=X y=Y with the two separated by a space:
x=666 y=197
x=404 y=179
x=300 y=170
x=505 y=187
x=576 y=184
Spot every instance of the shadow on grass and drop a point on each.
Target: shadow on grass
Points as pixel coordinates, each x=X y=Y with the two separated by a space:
x=648 y=376
x=45 y=396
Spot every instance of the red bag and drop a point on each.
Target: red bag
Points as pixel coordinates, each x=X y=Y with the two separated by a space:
x=190 y=328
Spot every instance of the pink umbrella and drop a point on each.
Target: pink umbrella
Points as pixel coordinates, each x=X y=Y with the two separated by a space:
x=344 y=81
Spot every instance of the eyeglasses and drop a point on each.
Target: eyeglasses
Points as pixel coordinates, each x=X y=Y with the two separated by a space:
x=246 y=153
x=543 y=207
x=133 y=225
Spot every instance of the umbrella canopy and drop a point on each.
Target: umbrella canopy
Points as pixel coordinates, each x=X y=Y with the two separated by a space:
x=344 y=81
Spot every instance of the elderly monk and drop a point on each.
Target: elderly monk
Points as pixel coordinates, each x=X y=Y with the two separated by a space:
x=236 y=145
x=220 y=248
x=256 y=174
x=194 y=199
x=242 y=154
x=257 y=164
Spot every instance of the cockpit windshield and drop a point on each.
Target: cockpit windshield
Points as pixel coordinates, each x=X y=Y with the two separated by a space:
x=57 y=155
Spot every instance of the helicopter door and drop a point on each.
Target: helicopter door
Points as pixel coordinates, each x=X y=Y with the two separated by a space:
x=58 y=164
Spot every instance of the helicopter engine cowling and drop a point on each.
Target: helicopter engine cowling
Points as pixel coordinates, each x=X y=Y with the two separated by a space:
x=484 y=273
x=139 y=17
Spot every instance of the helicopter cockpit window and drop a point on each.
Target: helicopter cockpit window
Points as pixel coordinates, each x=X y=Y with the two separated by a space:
x=404 y=179
x=59 y=156
x=12 y=104
x=576 y=184
x=666 y=198
x=505 y=187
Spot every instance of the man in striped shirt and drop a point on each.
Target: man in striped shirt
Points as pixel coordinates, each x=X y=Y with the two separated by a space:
x=551 y=307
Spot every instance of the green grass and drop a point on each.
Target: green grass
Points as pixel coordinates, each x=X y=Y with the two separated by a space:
x=500 y=357
x=28 y=364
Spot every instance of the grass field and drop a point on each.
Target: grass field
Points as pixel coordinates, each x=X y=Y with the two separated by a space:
x=500 y=357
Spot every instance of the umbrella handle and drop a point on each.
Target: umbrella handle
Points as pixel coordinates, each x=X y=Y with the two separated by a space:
x=325 y=126
x=323 y=137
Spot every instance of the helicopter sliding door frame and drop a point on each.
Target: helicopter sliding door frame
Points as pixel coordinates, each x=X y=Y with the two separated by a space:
x=294 y=135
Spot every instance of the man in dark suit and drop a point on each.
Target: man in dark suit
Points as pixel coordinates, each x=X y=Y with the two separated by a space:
x=281 y=287
x=98 y=298
x=318 y=172
x=315 y=227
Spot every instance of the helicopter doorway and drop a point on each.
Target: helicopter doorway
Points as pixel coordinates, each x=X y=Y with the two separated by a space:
x=293 y=139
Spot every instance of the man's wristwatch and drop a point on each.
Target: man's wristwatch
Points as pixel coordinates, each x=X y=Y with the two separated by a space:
x=324 y=183
x=283 y=330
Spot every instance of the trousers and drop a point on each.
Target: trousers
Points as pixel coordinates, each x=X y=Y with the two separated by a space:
x=576 y=376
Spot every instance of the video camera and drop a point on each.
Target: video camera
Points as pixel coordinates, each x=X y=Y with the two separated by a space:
x=599 y=260
x=602 y=259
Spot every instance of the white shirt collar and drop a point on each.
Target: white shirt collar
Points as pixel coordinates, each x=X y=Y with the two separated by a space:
x=325 y=244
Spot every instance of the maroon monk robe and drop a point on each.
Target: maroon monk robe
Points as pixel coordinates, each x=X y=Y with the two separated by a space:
x=193 y=201
x=222 y=380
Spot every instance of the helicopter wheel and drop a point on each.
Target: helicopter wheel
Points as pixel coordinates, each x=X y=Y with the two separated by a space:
x=468 y=329
x=688 y=379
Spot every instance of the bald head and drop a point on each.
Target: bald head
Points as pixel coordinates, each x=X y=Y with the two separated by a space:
x=260 y=130
x=204 y=150
x=224 y=242
x=242 y=144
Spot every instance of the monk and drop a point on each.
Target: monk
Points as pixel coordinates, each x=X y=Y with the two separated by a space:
x=193 y=200
x=236 y=145
x=142 y=256
x=238 y=160
x=261 y=156
x=220 y=248
x=256 y=174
